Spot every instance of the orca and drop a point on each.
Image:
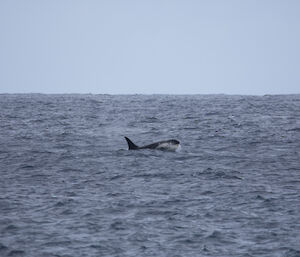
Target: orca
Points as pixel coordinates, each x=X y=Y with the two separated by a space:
x=167 y=145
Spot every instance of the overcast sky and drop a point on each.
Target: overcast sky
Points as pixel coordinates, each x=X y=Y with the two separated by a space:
x=150 y=46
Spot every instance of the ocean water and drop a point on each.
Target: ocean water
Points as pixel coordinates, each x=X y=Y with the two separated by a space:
x=70 y=187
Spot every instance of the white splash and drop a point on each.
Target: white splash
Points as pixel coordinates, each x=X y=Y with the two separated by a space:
x=178 y=148
x=169 y=147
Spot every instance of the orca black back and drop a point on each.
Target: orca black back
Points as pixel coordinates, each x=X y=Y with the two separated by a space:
x=167 y=145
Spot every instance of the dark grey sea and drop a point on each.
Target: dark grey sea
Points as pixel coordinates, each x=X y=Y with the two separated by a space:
x=70 y=187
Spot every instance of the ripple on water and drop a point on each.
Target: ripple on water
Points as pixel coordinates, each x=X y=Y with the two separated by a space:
x=70 y=187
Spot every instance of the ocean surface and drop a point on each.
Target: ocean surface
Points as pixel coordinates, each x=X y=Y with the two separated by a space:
x=69 y=186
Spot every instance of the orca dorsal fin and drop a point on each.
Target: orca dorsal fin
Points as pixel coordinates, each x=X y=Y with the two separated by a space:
x=131 y=145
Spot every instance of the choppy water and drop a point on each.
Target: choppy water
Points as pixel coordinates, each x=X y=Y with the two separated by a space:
x=70 y=187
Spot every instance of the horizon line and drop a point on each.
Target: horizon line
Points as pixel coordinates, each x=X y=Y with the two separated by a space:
x=149 y=94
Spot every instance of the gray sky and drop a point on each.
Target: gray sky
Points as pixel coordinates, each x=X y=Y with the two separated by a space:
x=153 y=46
